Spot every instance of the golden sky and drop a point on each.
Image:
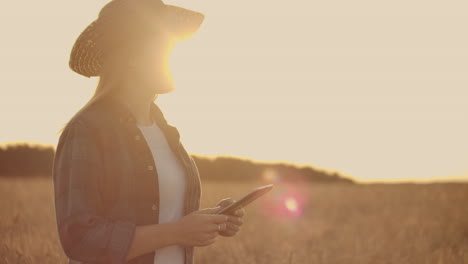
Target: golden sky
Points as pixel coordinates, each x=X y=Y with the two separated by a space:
x=377 y=90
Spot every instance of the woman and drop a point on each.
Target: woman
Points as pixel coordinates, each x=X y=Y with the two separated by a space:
x=126 y=190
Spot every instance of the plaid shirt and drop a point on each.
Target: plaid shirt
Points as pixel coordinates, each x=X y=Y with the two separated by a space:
x=106 y=184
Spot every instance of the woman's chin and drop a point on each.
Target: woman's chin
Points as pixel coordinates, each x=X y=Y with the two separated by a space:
x=162 y=89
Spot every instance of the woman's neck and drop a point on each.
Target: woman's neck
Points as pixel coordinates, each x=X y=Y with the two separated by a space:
x=140 y=108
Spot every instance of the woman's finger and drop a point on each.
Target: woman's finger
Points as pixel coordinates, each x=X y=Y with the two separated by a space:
x=217 y=227
x=233 y=227
x=235 y=220
x=229 y=233
x=207 y=242
x=210 y=235
x=222 y=227
x=226 y=202
x=239 y=212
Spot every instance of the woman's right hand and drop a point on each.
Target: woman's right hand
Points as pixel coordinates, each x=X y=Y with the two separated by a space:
x=200 y=228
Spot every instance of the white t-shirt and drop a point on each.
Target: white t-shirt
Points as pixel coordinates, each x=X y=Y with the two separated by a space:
x=171 y=178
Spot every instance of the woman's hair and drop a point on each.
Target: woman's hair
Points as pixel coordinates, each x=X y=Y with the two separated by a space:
x=107 y=86
x=113 y=70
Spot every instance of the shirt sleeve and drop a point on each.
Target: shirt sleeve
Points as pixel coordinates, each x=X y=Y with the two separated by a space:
x=85 y=233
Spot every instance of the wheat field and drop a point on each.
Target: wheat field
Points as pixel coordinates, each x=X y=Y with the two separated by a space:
x=330 y=223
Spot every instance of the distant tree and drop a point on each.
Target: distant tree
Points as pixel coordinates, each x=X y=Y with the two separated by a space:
x=231 y=168
x=28 y=159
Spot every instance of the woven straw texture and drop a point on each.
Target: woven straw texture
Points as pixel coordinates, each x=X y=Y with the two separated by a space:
x=124 y=23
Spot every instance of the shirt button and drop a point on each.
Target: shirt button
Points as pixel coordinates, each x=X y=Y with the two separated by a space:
x=154 y=207
x=150 y=168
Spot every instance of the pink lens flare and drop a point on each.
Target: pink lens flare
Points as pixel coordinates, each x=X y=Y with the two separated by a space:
x=292 y=205
x=290 y=197
x=286 y=202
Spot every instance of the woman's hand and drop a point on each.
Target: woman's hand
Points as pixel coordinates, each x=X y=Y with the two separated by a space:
x=235 y=221
x=201 y=228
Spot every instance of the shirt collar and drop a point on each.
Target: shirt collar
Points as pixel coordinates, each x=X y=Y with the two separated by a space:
x=125 y=116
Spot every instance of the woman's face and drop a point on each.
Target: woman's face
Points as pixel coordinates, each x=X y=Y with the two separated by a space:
x=147 y=68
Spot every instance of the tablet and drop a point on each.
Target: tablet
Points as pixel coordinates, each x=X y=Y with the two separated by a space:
x=250 y=197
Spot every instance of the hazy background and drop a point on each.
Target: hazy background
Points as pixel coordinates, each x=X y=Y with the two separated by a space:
x=377 y=90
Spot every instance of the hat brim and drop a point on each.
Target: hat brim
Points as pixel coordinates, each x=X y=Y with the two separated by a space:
x=182 y=23
x=86 y=57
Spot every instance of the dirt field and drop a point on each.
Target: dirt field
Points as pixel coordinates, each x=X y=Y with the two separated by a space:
x=297 y=224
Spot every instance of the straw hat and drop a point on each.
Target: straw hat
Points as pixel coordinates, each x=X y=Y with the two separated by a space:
x=122 y=23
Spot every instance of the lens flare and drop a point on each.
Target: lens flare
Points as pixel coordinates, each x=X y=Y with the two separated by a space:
x=287 y=203
x=290 y=198
x=291 y=204
x=270 y=175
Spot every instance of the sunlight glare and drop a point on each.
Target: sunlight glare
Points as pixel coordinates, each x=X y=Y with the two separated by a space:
x=291 y=204
x=270 y=175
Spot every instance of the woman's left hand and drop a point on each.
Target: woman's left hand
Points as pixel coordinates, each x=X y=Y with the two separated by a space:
x=234 y=222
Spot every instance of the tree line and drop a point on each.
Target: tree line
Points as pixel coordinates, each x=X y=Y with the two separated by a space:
x=36 y=160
